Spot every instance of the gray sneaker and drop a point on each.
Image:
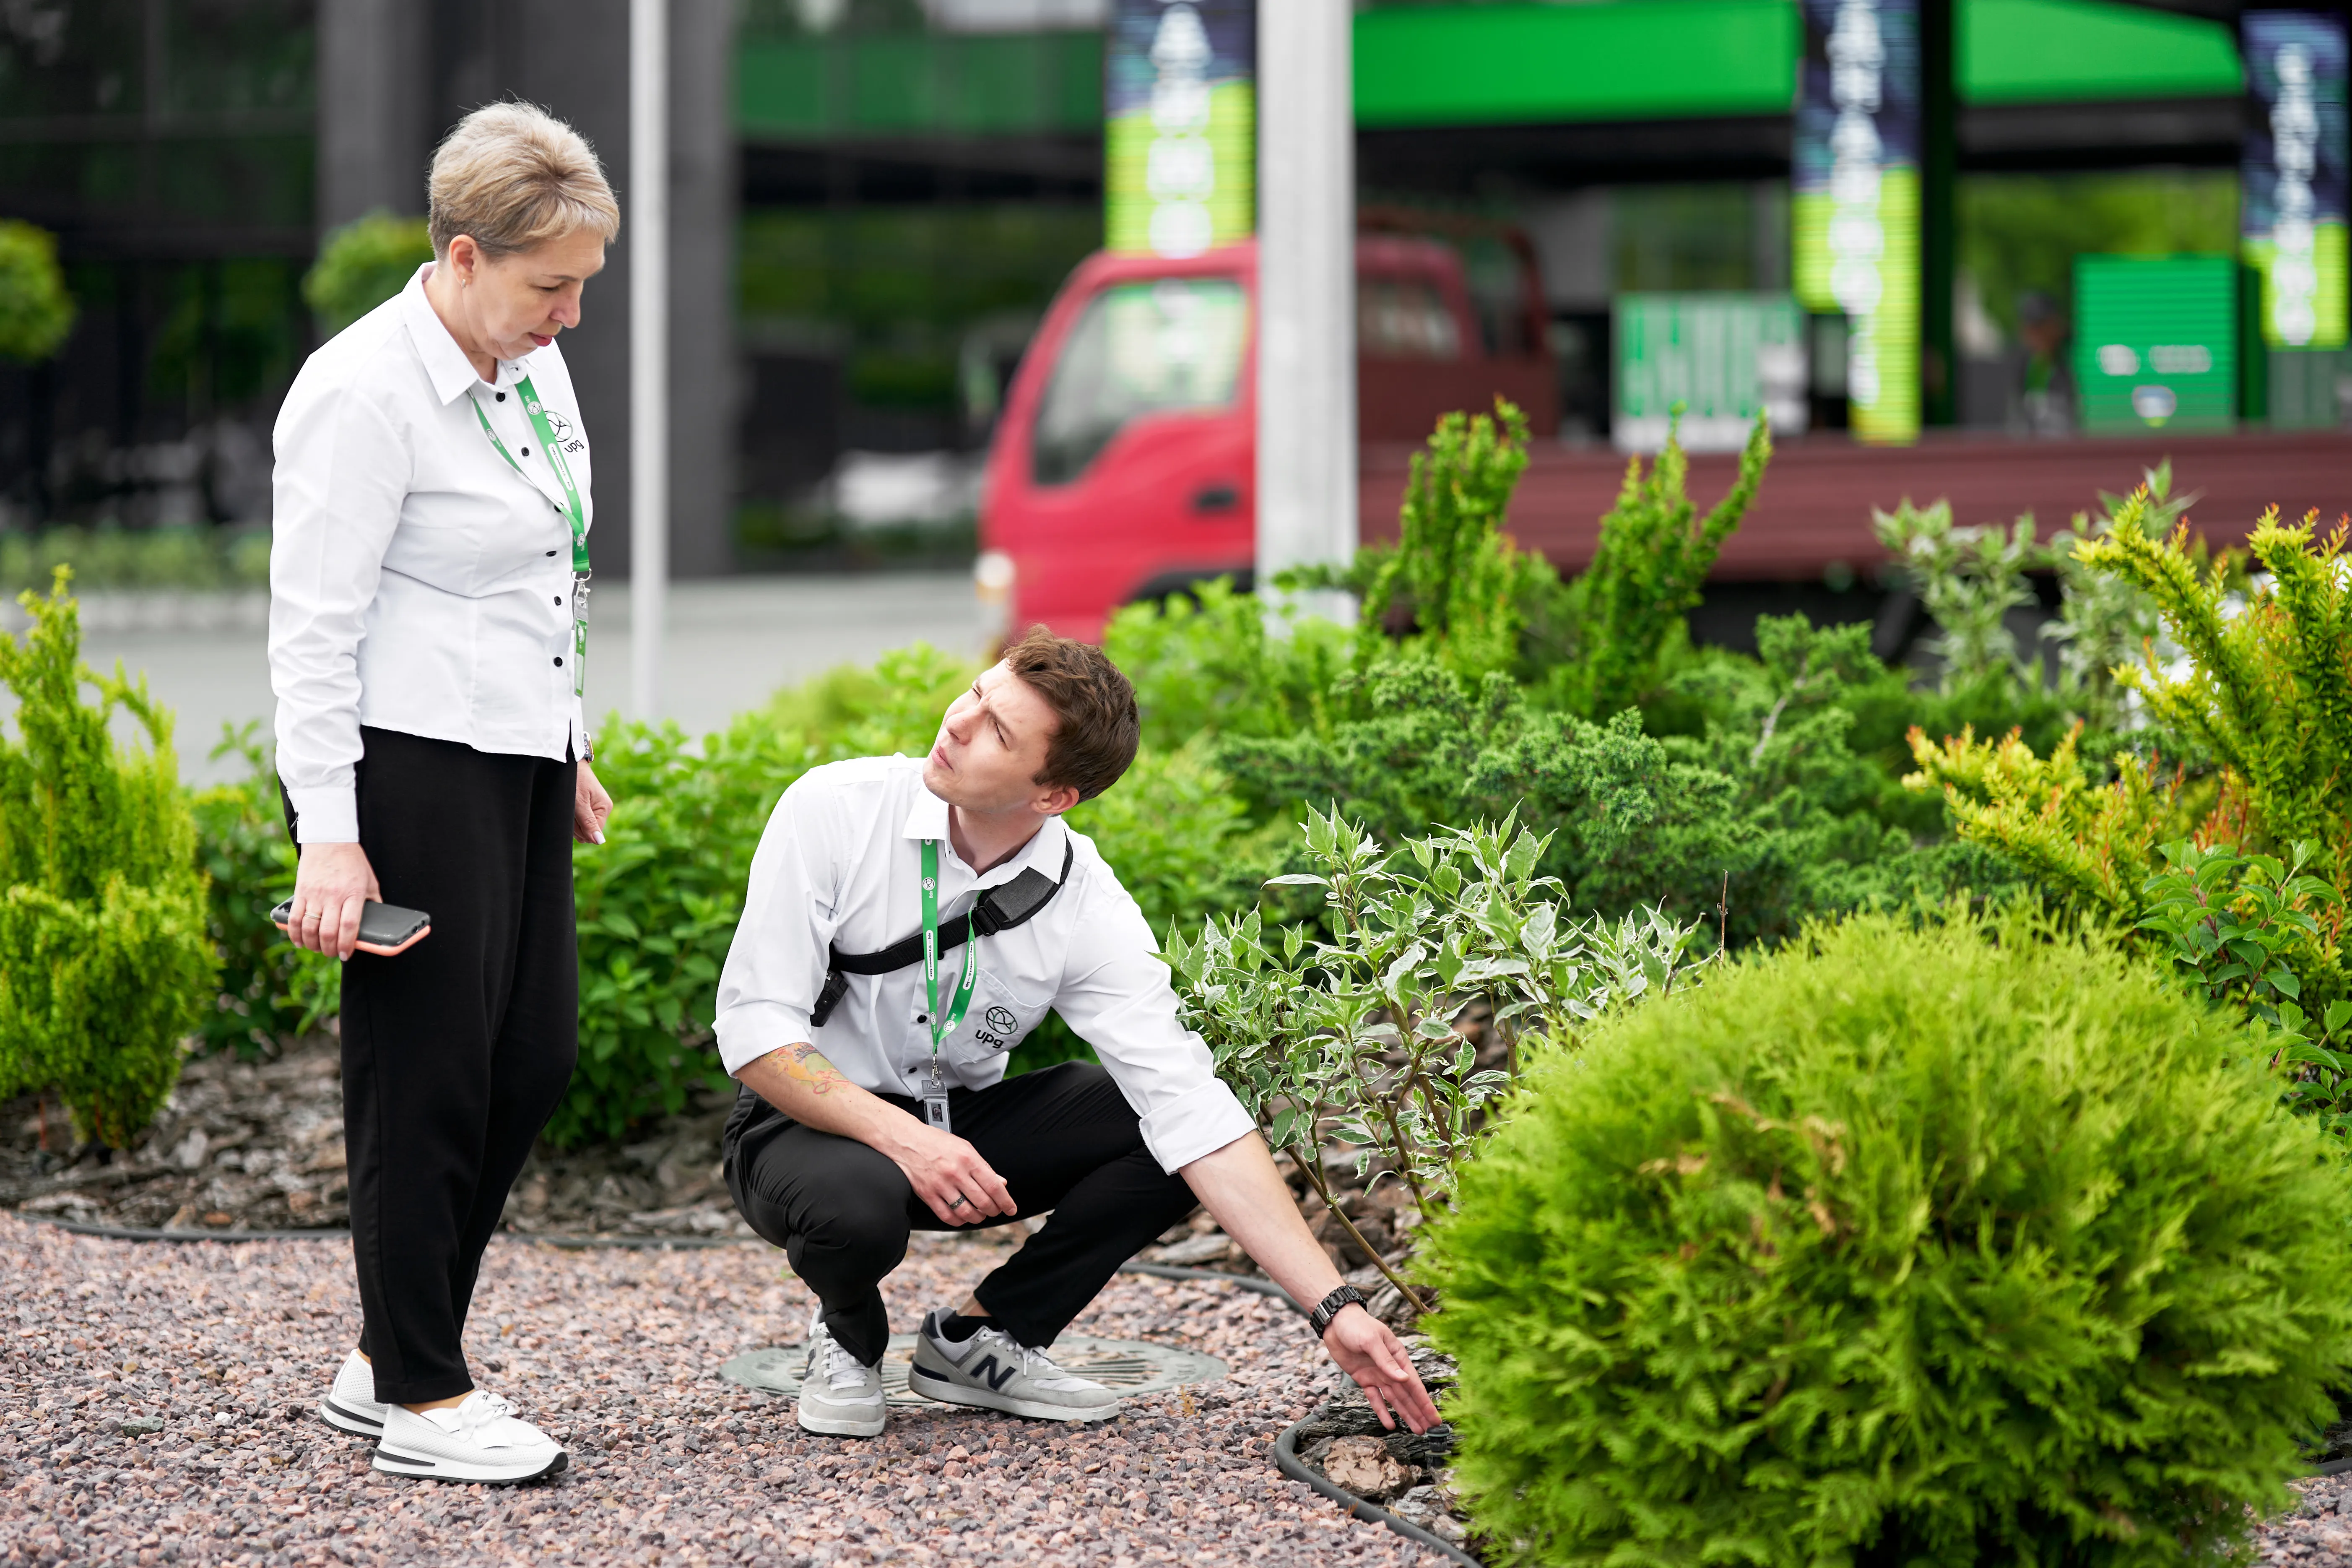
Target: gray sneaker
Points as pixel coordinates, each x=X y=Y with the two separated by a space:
x=995 y=1372
x=840 y=1395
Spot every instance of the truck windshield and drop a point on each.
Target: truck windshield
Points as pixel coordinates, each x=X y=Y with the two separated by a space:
x=1138 y=349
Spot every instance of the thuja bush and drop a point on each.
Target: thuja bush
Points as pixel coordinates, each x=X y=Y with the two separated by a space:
x=104 y=963
x=1898 y=1245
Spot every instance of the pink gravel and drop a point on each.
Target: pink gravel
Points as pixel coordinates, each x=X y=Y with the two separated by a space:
x=228 y=1346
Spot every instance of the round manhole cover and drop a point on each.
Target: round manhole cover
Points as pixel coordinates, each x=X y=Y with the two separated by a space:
x=1130 y=1366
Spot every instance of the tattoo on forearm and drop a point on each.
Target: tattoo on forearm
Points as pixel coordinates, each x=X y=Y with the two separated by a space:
x=805 y=1063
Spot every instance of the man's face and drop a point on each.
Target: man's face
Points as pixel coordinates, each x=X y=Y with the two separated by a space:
x=991 y=747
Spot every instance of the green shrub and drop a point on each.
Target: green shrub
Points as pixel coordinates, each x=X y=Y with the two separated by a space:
x=1968 y=579
x=363 y=263
x=1204 y=662
x=1455 y=581
x=104 y=965
x=658 y=904
x=1625 y=612
x=269 y=989
x=1896 y=1246
x=36 y=312
x=1355 y=1039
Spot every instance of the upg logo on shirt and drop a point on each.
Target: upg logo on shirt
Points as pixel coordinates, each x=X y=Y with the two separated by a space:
x=998 y=1035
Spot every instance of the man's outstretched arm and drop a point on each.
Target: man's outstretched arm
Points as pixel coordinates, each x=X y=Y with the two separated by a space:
x=1245 y=1193
x=942 y=1167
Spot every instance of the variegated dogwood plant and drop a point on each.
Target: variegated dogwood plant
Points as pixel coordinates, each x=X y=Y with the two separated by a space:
x=1359 y=1042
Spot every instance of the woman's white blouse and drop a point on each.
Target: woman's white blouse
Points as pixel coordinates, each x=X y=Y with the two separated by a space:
x=417 y=582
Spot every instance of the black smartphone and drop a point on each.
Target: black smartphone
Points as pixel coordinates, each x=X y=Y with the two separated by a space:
x=385 y=929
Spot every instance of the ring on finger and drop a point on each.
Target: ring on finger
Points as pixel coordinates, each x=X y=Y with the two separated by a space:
x=958 y=1202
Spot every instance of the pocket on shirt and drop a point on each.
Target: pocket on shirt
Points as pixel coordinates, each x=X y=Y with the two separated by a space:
x=998 y=1020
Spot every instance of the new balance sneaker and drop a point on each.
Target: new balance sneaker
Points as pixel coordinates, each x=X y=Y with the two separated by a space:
x=480 y=1440
x=841 y=1396
x=993 y=1371
x=350 y=1403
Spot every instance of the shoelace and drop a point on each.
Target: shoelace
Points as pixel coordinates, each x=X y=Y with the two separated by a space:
x=1035 y=1363
x=481 y=1410
x=842 y=1370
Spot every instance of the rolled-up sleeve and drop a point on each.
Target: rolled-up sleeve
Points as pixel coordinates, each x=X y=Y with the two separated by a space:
x=777 y=961
x=342 y=472
x=1118 y=999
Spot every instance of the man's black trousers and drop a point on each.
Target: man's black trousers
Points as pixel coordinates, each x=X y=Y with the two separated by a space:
x=1063 y=1138
x=457 y=1052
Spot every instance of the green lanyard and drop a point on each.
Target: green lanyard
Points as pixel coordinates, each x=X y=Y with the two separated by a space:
x=942 y=1028
x=574 y=513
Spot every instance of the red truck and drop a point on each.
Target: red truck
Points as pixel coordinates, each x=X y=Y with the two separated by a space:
x=1124 y=465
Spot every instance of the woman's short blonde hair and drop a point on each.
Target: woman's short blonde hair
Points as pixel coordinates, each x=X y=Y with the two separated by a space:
x=513 y=176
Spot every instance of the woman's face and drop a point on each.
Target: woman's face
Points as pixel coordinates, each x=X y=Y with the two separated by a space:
x=517 y=303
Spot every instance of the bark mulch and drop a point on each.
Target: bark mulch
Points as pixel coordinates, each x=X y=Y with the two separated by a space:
x=155 y=1408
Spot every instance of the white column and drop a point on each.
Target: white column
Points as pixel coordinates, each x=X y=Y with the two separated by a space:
x=1306 y=290
x=649 y=237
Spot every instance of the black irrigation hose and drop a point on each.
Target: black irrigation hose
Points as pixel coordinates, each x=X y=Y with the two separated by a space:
x=1287 y=1459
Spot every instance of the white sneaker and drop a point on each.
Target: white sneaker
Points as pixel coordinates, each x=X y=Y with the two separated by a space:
x=350 y=1403
x=480 y=1440
x=993 y=1371
x=841 y=1396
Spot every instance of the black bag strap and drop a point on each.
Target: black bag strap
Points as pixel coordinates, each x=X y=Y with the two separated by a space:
x=1015 y=903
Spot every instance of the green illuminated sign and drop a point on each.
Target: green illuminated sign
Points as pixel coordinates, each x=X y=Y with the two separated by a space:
x=1180 y=137
x=2156 y=342
x=1716 y=358
x=1855 y=200
x=2293 y=175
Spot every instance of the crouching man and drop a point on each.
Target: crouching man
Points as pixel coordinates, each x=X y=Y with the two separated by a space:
x=908 y=922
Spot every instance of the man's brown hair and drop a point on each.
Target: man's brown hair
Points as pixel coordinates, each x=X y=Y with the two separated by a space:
x=1094 y=707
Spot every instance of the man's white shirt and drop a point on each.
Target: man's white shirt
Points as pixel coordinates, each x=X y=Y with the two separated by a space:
x=417 y=582
x=840 y=864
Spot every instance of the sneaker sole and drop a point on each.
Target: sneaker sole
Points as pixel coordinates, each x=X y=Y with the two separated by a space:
x=344 y=1419
x=932 y=1386
x=840 y=1426
x=423 y=1469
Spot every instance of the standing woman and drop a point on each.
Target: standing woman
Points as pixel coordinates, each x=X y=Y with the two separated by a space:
x=428 y=580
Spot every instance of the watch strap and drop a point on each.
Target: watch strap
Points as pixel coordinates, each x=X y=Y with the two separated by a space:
x=1330 y=1307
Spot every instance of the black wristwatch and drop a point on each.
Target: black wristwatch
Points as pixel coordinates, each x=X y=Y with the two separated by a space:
x=1331 y=1306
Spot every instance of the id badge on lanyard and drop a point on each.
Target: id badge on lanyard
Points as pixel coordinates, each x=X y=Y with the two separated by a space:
x=935 y=1091
x=575 y=513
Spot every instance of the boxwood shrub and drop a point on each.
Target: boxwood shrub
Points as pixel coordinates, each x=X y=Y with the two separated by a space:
x=1899 y=1245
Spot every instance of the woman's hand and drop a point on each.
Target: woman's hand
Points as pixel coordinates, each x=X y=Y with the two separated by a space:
x=332 y=884
x=590 y=807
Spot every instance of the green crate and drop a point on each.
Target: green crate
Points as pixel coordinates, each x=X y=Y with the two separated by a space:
x=2156 y=342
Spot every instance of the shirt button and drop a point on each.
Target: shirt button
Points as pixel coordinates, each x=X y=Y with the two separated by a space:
x=551 y=553
x=559 y=599
x=559 y=661
x=526 y=451
x=502 y=397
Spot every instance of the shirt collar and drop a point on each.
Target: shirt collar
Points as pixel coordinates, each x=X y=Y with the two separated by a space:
x=445 y=364
x=927 y=818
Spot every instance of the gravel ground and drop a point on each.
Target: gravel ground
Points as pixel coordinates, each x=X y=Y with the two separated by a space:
x=154 y=1407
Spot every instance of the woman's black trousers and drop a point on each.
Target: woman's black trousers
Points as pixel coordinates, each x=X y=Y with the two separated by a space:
x=457 y=1052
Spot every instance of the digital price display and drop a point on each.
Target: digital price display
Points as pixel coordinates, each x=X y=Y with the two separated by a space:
x=2293 y=177
x=2156 y=343
x=1718 y=357
x=1180 y=141
x=1855 y=200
